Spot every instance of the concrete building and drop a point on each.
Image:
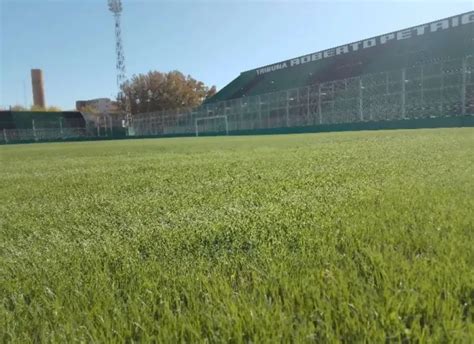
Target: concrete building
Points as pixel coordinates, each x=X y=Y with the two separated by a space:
x=98 y=105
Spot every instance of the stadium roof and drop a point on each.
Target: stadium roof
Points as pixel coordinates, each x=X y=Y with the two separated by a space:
x=441 y=39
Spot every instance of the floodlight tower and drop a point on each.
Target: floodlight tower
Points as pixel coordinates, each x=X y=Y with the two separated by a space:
x=115 y=6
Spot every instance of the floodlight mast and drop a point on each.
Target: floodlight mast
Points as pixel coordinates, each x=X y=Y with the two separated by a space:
x=115 y=6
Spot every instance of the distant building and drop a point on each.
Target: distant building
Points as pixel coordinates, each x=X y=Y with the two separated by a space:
x=102 y=113
x=98 y=105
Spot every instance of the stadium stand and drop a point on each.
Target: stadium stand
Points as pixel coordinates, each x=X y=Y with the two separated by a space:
x=25 y=126
x=444 y=39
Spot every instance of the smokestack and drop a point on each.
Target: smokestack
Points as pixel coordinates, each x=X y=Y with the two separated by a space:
x=38 y=87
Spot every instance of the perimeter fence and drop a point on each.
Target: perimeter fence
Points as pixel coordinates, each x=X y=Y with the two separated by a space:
x=43 y=130
x=435 y=89
x=430 y=90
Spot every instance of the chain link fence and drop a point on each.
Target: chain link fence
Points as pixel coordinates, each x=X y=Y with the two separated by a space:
x=430 y=90
x=93 y=126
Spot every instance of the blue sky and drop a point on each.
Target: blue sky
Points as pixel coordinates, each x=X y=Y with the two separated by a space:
x=73 y=40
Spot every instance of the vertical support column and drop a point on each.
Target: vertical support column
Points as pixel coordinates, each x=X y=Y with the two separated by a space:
x=345 y=91
x=333 y=97
x=5 y=135
x=441 y=94
x=287 y=109
x=298 y=109
x=61 y=126
x=105 y=124
x=162 y=131
x=152 y=123
x=196 y=127
x=308 y=112
x=382 y=108
x=226 y=126
x=241 y=113
x=260 y=124
x=130 y=125
x=111 y=127
x=320 y=114
x=403 y=100
x=361 y=109
x=463 y=87
x=422 y=88
x=34 y=129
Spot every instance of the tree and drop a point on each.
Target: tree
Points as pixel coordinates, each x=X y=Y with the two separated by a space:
x=48 y=109
x=89 y=109
x=18 y=108
x=53 y=108
x=211 y=92
x=158 y=91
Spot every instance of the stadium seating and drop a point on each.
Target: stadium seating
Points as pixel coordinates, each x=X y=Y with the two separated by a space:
x=437 y=46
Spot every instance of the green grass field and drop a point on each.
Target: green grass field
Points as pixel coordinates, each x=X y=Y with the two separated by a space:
x=350 y=237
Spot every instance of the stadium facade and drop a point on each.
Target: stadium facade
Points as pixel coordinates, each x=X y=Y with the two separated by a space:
x=421 y=76
x=444 y=39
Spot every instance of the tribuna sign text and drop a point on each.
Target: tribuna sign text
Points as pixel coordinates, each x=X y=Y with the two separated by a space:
x=421 y=30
